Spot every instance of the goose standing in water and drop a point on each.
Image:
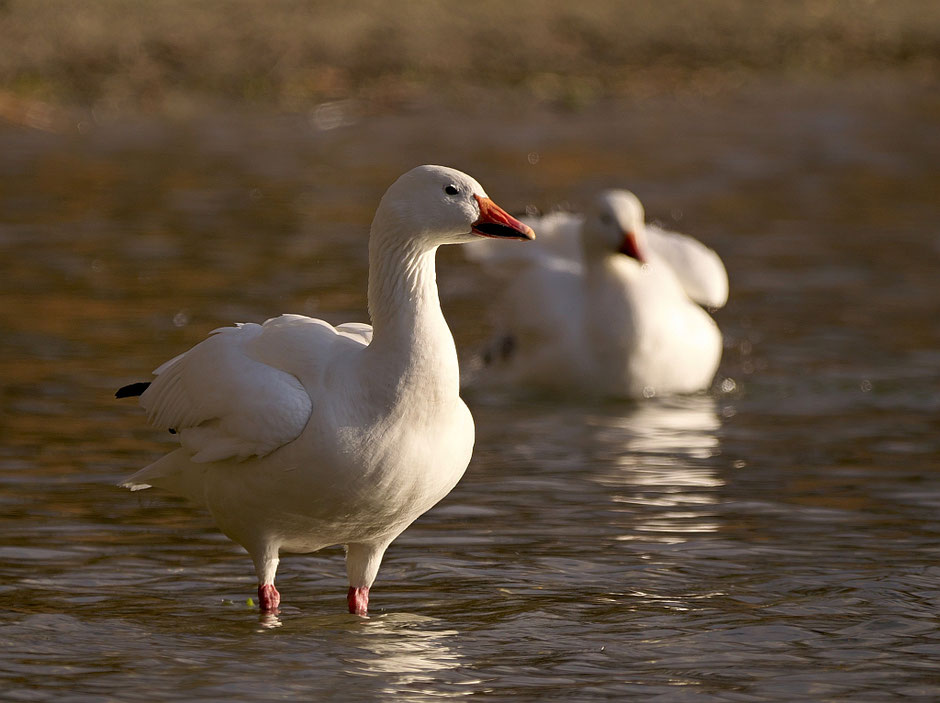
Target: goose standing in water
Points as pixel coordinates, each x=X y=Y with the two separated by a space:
x=606 y=305
x=297 y=435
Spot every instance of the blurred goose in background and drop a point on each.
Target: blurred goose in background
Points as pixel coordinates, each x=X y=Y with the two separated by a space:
x=605 y=305
x=298 y=435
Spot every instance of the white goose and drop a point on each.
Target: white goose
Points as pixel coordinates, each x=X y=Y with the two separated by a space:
x=606 y=305
x=298 y=435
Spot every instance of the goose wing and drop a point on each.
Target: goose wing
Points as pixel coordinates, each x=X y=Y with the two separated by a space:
x=698 y=268
x=238 y=393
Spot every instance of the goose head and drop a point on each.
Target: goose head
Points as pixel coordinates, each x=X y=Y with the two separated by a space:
x=434 y=205
x=614 y=223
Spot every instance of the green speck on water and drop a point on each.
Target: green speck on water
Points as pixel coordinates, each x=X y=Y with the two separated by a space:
x=250 y=602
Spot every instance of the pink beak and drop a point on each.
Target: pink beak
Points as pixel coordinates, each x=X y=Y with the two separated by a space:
x=496 y=222
x=630 y=248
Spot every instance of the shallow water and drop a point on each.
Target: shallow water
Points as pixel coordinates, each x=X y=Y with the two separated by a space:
x=776 y=539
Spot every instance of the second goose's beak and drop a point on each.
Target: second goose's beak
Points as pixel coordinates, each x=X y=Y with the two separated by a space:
x=630 y=248
x=496 y=222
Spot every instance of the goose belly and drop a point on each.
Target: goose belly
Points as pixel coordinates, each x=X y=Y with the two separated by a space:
x=348 y=484
x=674 y=353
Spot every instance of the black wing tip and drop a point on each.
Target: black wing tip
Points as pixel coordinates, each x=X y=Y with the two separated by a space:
x=501 y=349
x=132 y=390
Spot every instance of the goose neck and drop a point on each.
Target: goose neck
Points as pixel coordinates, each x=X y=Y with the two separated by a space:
x=411 y=341
x=402 y=287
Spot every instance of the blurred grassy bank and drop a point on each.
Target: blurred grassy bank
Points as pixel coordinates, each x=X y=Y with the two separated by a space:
x=179 y=55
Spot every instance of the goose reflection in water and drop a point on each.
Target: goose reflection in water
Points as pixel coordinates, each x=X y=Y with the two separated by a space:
x=406 y=657
x=400 y=655
x=404 y=644
x=654 y=460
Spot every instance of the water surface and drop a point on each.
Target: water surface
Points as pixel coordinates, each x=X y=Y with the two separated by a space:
x=775 y=539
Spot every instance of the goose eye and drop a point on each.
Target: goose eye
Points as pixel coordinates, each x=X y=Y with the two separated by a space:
x=451 y=189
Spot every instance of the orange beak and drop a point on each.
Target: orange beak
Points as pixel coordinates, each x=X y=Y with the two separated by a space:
x=496 y=222
x=630 y=248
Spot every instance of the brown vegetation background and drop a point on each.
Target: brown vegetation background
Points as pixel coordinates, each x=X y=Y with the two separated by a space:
x=178 y=55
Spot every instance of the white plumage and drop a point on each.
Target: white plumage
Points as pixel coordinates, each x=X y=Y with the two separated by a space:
x=297 y=435
x=605 y=305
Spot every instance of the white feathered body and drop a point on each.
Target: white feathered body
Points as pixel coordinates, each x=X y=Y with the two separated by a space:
x=290 y=440
x=608 y=326
x=645 y=335
x=298 y=435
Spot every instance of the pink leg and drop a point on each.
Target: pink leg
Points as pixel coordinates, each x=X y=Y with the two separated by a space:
x=358 y=599
x=268 y=598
